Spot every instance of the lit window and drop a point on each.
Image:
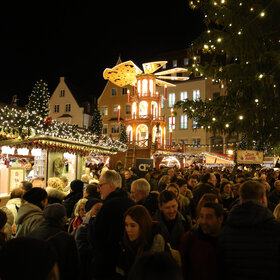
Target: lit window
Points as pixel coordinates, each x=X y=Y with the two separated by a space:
x=194 y=124
x=151 y=85
x=174 y=63
x=104 y=111
x=186 y=61
x=170 y=123
x=184 y=95
x=143 y=108
x=171 y=99
x=196 y=95
x=115 y=110
x=184 y=122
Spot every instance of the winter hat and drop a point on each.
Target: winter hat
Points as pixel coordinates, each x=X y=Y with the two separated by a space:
x=77 y=186
x=36 y=263
x=35 y=196
x=54 y=211
x=91 y=202
x=3 y=218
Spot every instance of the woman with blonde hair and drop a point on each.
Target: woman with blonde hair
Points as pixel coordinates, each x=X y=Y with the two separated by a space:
x=55 y=190
x=79 y=214
x=276 y=212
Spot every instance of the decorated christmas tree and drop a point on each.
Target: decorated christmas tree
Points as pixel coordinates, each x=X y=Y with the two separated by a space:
x=123 y=134
x=96 y=126
x=39 y=100
x=241 y=43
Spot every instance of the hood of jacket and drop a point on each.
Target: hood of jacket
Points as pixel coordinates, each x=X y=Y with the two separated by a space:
x=248 y=214
x=25 y=209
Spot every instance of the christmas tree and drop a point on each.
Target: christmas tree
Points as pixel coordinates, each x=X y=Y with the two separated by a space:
x=241 y=42
x=39 y=100
x=123 y=134
x=96 y=126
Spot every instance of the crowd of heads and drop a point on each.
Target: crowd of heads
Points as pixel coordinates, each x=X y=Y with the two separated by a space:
x=197 y=196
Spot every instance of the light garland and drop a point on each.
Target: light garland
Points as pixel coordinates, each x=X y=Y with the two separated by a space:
x=16 y=124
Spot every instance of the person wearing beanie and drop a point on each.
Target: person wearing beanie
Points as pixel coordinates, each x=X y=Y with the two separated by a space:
x=3 y=221
x=52 y=230
x=76 y=193
x=30 y=213
x=38 y=260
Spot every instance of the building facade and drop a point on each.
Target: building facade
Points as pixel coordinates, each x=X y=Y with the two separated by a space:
x=67 y=106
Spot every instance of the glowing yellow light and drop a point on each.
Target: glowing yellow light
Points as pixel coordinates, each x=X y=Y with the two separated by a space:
x=227 y=125
x=260 y=76
x=241 y=117
x=206 y=47
x=256 y=100
x=262 y=14
x=219 y=40
x=213 y=119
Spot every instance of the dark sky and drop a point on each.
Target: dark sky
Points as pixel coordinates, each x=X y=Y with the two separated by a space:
x=79 y=39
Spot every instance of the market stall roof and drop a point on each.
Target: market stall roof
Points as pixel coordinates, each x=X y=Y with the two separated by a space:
x=214 y=158
x=52 y=143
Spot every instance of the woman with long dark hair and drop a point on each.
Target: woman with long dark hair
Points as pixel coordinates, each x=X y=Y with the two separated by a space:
x=141 y=235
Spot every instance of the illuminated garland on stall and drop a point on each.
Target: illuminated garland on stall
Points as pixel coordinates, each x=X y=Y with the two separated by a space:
x=19 y=125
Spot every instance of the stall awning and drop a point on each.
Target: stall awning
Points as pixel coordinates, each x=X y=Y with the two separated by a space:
x=52 y=143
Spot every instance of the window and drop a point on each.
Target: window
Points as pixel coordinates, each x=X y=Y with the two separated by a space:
x=68 y=108
x=161 y=100
x=128 y=109
x=186 y=61
x=194 y=124
x=115 y=128
x=171 y=99
x=185 y=141
x=115 y=110
x=184 y=122
x=56 y=108
x=184 y=95
x=196 y=141
x=170 y=123
x=62 y=93
x=196 y=94
x=104 y=111
x=164 y=66
x=105 y=129
x=114 y=92
x=124 y=91
x=144 y=86
x=174 y=63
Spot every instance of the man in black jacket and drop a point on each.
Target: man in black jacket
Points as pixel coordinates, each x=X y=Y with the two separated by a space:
x=250 y=241
x=106 y=230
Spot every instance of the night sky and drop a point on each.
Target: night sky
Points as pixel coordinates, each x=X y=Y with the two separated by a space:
x=79 y=39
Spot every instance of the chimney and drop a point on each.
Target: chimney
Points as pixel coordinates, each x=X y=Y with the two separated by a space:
x=61 y=79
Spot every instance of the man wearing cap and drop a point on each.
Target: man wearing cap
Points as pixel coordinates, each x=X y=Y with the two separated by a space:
x=30 y=213
x=52 y=230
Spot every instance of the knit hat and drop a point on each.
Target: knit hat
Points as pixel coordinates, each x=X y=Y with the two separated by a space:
x=54 y=211
x=38 y=258
x=91 y=202
x=3 y=218
x=77 y=186
x=35 y=195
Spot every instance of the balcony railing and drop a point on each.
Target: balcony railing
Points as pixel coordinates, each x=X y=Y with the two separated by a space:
x=147 y=94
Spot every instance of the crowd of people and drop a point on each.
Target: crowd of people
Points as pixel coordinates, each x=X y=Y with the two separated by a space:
x=191 y=223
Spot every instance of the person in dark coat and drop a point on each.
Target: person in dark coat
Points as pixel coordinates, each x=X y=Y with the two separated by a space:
x=274 y=196
x=106 y=230
x=92 y=207
x=140 y=194
x=52 y=230
x=76 y=193
x=3 y=221
x=250 y=241
x=172 y=223
x=198 y=246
